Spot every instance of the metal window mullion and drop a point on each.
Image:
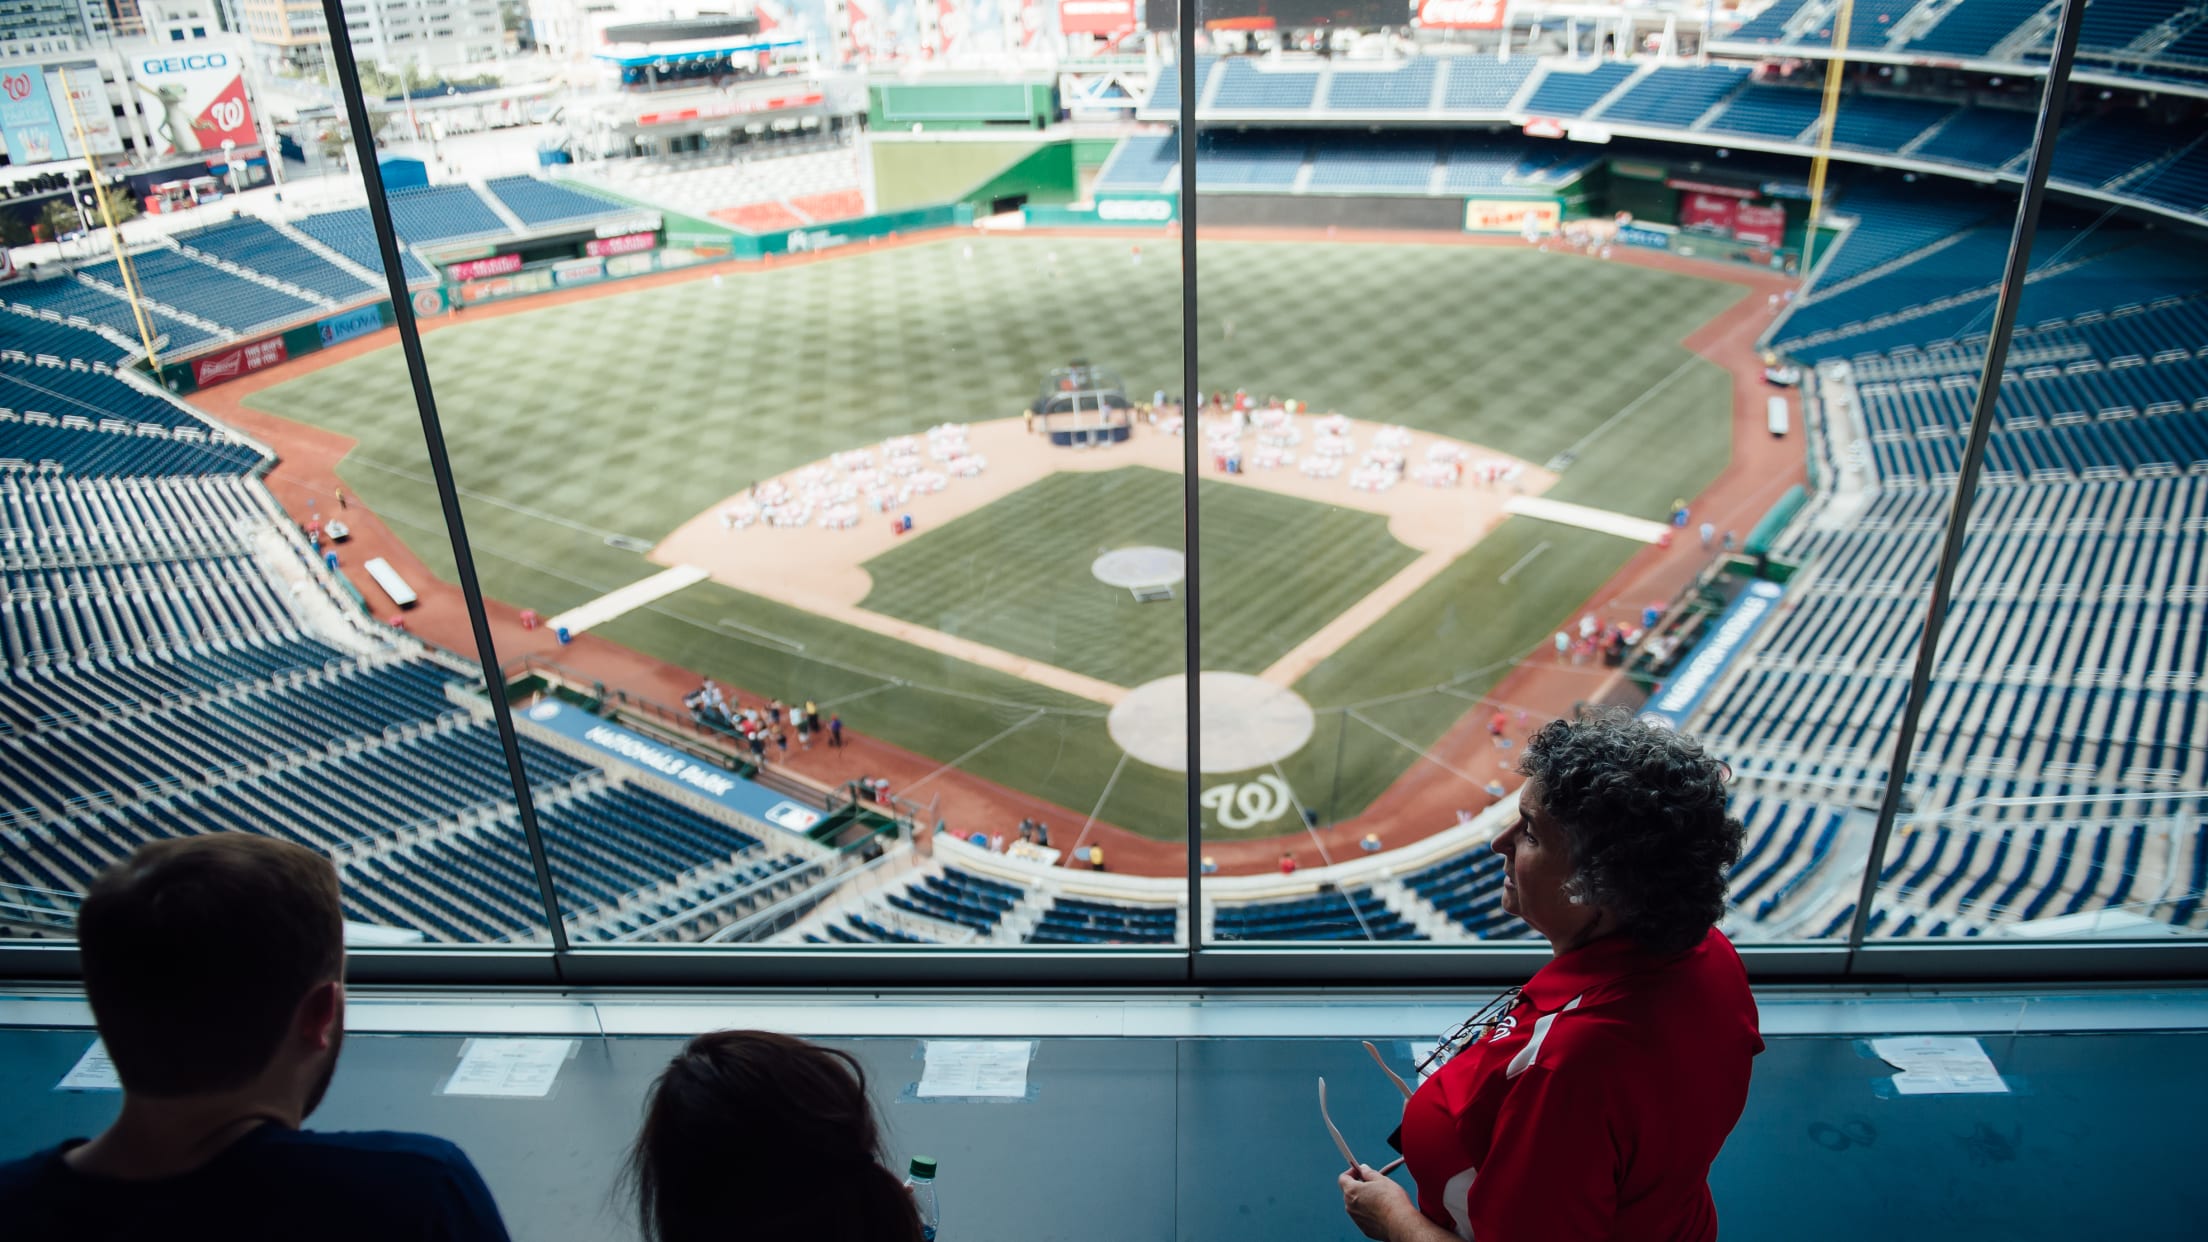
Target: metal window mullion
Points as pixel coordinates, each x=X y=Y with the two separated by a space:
x=2051 y=107
x=1191 y=608
x=440 y=461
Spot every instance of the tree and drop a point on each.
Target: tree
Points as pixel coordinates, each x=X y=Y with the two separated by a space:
x=60 y=217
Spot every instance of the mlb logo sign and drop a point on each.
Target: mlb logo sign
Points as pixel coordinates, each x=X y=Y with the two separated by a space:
x=1462 y=14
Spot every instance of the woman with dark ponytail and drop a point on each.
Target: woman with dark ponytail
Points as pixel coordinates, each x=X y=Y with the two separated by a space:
x=750 y=1136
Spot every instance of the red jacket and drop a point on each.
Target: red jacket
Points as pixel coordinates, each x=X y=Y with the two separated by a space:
x=1594 y=1109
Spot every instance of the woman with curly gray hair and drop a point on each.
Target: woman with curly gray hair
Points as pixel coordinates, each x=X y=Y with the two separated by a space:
x=1590 y=1102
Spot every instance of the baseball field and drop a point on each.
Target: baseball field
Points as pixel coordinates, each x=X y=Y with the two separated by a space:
x=584 y=434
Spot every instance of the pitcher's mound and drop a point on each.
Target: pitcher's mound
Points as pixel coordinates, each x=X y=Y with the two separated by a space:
x=1248 y=722
x=1139 y=567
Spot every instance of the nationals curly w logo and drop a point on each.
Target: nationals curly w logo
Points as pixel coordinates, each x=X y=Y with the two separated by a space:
x=17 y=85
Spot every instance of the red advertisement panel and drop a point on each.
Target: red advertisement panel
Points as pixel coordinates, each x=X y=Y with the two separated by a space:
x=1760 y=226
x=232 y=363
x=1097 y=17
x=1708 y=211
x=1462 y=14
x=475 y=269
x=627 y=243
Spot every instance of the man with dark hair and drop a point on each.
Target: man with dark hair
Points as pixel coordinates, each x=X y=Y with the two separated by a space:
x=215 y=969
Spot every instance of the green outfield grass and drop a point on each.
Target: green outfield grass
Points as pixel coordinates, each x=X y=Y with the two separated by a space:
x=1016 y=576
x=622 y=416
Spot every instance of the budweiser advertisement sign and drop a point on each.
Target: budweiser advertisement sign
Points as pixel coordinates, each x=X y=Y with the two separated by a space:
x=1096 y=17
x=627 y=244
x=1760 y=226
x=232 y=363
x=476 y=269
x=1462 y=14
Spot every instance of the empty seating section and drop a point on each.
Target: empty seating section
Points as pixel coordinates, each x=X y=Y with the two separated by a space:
x=1468 y=889
x=1408 y=87
x=1884 y=123
x=1373 y=163
x=1165 y=92
x=547 y=202
x=959 y=897
x=200 y=289
x=88 y=394
x=45 y=696
x=134 y=756
x=427 y=214
x=2111 y=25
x=1243 y=86
x=1777 y=112
x=262 y=247
x=2107 y=151
x=1674 y=95
x=1359 y=914
x=1974 y=27
x=1871 y=25
x=350 y=233
x=1981 y=138
x=1140 y=162
x=69 y=297
x=742 y=889
x=1081 y=920
x=70 y=613
x=2063 y=683
x=101 y=455
x=1567 y=94
x=1479 y=168
x=795 y=179
x=1889 y=226
x=1481 y=84
x=25 y=330
x=2182 y=183
x=1770 y=25
x=1248 y=161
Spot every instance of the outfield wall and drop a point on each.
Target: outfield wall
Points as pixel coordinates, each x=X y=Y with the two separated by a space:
x=1299 y=211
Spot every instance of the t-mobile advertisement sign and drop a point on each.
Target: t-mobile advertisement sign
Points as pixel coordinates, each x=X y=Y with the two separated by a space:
x=627 y=244
x=477 y=269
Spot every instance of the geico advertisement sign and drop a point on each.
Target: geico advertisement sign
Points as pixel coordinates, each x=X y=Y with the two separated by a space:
x=198 y=101
x=169 y=66
x=1461 y=14
x=1145 y=210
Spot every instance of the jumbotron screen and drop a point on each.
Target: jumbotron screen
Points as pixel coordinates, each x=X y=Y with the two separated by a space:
x=1281 y=14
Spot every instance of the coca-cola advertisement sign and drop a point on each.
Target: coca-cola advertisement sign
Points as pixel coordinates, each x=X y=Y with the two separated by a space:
x=1097 y=17
x=232 y=363
x=476 y=269
x=1462 y=14
x=626 y=244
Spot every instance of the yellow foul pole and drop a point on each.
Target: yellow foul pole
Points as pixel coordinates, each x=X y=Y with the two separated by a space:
x=1834 y=69
x=114 y=231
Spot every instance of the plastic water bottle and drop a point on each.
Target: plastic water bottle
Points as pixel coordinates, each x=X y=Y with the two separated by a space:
x=921 y=1183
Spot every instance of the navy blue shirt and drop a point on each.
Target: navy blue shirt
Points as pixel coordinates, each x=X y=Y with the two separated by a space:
x=274 y=1183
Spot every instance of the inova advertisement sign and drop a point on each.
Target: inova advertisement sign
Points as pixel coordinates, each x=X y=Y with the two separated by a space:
x=198 y=100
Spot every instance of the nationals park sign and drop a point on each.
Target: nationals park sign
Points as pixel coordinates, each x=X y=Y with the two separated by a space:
x=1699 y=672
x=719 y=786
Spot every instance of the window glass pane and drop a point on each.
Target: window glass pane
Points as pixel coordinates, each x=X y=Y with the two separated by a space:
x=796 y=597
x=195 y=638
x=2055 y=788
x=1508 y=381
